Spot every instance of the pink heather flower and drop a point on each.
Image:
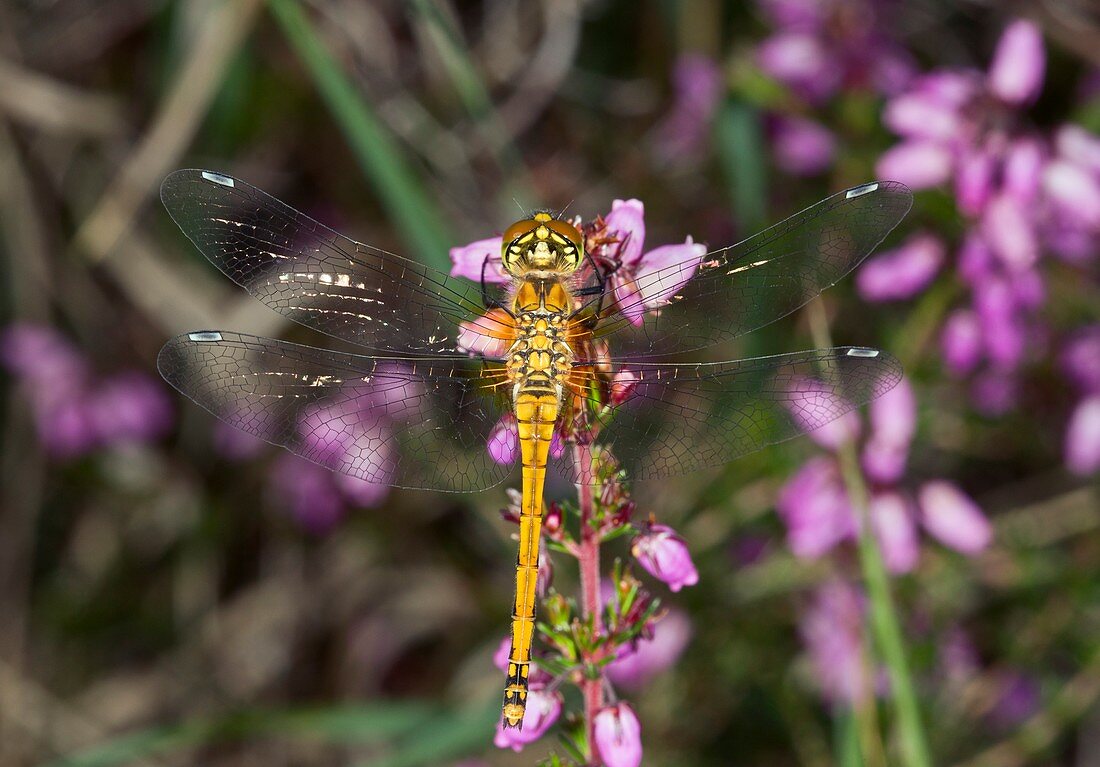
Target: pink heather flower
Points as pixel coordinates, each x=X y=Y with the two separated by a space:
x=235 y=445
x=1018 y=699
x=823 y=46
x=504 y=649
x=634 y=283
x=1074 y=190
x=623 y=384
x=1019 y=63
x=1008 y=229
x=962 y=342
x=503 y=444
x=1082 y=445
x=895 y=530
x=665 y=556
x=802 y=147
x=807 y=400
x=543 y=709
x=1081 y=359
x=917 y=164
x=902 y=272
x=307 y=492
x=697 y=86
x=130 y=407
x=831 y=630
x=893 y=422
x=618 y=736
x=1079 y=146
x=636 y=664
x=490 y=335
x=362 y=492
x=468 y=261
x=951 y=516
x=815 y=508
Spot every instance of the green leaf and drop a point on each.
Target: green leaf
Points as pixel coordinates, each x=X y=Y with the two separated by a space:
x=743 y=155
x=380 y=158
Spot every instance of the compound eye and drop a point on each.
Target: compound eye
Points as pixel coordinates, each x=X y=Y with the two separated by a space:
x=519 y=229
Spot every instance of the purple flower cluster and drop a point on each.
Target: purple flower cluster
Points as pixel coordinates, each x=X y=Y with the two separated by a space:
x=1023 y=195
x=832 y=631
x=75 y=412
x=1081 y=364
x=817 y=49
x=815 y=506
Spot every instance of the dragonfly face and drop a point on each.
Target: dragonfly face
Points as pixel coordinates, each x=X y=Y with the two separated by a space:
x=542 y=244
x=445 y=384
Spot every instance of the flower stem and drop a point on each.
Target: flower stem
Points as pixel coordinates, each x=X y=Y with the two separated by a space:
x=592 y=689
x=884 y=618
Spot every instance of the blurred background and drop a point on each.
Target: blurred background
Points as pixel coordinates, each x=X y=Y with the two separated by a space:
x=172 y=592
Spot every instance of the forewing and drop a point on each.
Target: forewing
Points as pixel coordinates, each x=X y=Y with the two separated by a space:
x=737 y=289
x=405 y=422
x=316 y=276
x=680 y=418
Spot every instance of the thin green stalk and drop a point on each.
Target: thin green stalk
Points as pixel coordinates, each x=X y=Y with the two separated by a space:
x=421 y=224
x=883 y=614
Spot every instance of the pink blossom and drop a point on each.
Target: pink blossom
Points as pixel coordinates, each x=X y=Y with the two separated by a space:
x=918 y=164
x=962 y=341
x=307 y=491
x=831 y=629
x=1079 y=146
x=892 y=521
x=902 y=272
x=815 y=508
x=1082 y=444
x=623 y=384
x=468 y=260
x=1074 y=190
x=646 y=281
x=636 y=664
x=665 y=556
x=697 y=88
x=893 y=422
x=1019 y=63
x=618 y=736
x=1081 y=359
x=503 y=443
x=236 y=445
x=951 y=516
x=543 y=709
x=802 y=147
x=801 y=61
x=1008 y=230
x=922 y=114
x=490 y=335
x=810 y=402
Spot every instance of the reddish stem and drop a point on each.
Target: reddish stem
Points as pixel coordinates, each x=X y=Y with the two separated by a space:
x=590 y=582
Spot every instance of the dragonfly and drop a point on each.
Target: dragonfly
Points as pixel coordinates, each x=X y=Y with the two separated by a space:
x=413 y=405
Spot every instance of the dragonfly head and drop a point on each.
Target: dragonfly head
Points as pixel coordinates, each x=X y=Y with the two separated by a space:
x=542 y=243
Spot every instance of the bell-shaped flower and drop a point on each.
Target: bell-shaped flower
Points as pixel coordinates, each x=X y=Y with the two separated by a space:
x=543 y=709
x=952 y=516
x=1019 y=63
x=646 y=280
x=469 y=261
x=902 y=272
x=802 y=147
x=665 y=556
x=1082 y=446
x=895 y=530
x=832 y=631
x=503 y=442
x=636 y=663
x=618 y=736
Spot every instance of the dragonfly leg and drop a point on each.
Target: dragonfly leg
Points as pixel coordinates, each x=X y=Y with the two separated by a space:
x=488 y=301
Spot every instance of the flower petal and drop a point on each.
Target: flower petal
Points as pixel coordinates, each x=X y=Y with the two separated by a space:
x=468 y=261
x=919 y=164
x=627 y=220
x=1082 y=448
x=802 y=147
x=902 y=272
x=1019 y=63
x=892 y=521
x=951 y=516
x=618 y=736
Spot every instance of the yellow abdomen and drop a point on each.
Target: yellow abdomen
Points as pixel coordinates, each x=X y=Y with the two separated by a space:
x=539 y=363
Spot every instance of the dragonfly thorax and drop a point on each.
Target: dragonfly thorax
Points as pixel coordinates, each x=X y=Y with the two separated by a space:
x=542 y=245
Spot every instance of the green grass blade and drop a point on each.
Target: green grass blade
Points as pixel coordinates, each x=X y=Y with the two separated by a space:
x=739 y=138
x=416 y=217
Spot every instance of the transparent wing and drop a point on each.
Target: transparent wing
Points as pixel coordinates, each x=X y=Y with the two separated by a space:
x=684 y=417
x=737 y=289
x=406 y=422
x=315 y=276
